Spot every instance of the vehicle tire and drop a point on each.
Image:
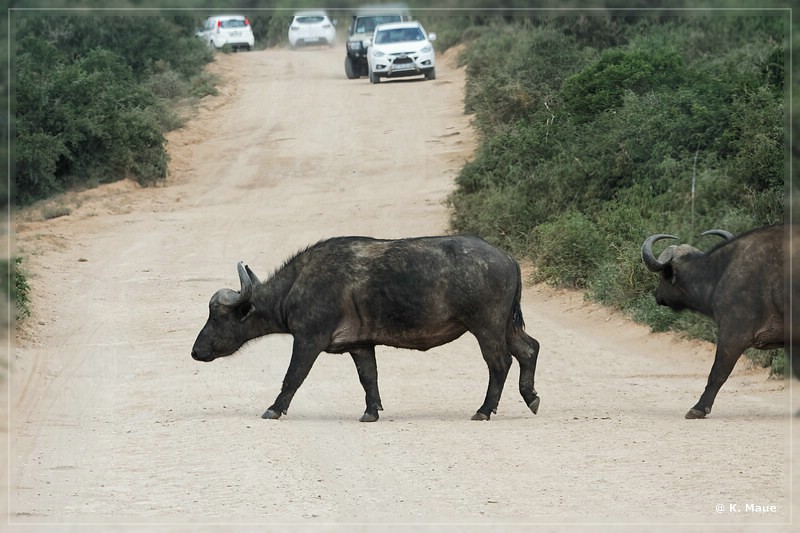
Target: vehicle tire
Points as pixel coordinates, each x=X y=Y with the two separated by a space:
x=374 y=78
x=431 y=74
x=350 y=69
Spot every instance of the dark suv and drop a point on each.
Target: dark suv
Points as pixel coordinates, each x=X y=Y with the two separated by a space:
x=360 y=33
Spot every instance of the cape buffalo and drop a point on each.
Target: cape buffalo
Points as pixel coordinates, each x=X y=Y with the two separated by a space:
x=739 y=284
x=349 y=294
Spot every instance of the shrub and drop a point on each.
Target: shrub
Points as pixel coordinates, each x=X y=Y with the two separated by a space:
x=15 y=285
x=37 y=157
x=566 y=251
x=167 y=84
x=275 y=29
x=515 y=72
x=94 y=96
x=144 y=157
x=587 y=146
x=21 y=290
x=203 y=84
x=758 y=140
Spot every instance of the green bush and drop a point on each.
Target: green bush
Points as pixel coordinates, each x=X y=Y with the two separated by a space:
x=591 y=142
x=94 y=98
x=167 y=84
x=37 y=157
x=514 y=73
x=567 y=251
x=203 y=84
x=21 y=290
x=600 y=87
x=15 y=285
x=277 y=29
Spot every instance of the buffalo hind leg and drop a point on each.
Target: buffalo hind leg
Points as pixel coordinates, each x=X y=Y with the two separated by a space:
x=724 y=361
x=526 y=350
x=304 y=354
x=497 y=358
x=367 y=368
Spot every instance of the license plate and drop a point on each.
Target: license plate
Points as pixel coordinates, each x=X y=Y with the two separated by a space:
x=403 y=66
x=235 y=33
x=312 y=39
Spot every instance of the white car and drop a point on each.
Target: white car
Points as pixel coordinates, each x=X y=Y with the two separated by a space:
x=401 y=49
x=311 y=27
x=233 y=30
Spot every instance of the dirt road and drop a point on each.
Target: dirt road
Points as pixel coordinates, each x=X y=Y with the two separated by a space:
x=113 y=422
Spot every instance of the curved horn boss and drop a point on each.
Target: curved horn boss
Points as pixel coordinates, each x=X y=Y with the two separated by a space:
x=231 y=298
x=650 y=261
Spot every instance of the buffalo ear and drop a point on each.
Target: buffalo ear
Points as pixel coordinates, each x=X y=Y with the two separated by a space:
x=252 y=275
x=245 y=310
x=669 y=273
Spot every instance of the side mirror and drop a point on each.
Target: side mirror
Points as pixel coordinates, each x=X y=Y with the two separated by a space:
x=367 y=43
x=431 y=36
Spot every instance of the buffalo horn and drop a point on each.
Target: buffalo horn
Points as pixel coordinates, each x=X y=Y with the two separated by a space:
x=649 y=259
x=727 y=235
x=252 y=275
x=231 y=298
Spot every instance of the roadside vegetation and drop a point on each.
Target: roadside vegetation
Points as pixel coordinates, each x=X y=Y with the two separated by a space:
x=94 y=97
x=15 y=287
x=596 y=132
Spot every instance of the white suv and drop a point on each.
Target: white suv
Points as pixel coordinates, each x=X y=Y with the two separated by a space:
x=233 y=30
x=401 y=49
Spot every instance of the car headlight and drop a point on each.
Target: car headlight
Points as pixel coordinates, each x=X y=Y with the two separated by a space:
x=426 y=49
x=377 y=53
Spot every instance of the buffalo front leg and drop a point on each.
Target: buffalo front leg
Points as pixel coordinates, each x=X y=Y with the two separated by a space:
x=724 y=361
x=526 y=350
x=498 y=360
x=303 y=356
x=364 y=358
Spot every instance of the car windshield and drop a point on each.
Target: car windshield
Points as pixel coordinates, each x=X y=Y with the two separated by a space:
x=367 y=24
x=309 y=20
x=399 y=36
x=233 y=23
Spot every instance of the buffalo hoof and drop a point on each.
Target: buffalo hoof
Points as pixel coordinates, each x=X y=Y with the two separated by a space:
x=368 y=417
x=697 y=413
x=480 y=416
x=534 y=405
x=269 y=414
